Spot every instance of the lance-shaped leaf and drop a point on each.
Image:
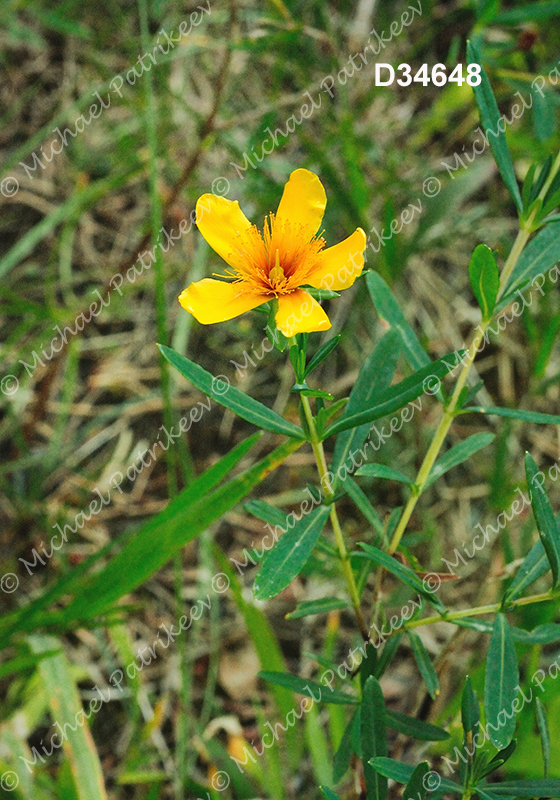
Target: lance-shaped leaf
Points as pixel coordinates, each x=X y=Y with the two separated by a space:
x=459 y=453
x=343 y=755
x=542 y=253
x=426 y=379
x=544 y=517
x=363 y=504
x=410 y=726
x=67 y=711
x=219 y=389
x=319 y=692
x=404 y=574
x=402 y=773
x=373 y=737
x=536 y=564
x=470 y=710
x=490 y=118
x=501 y=684
x=328 y=794
x=381 y=471
x=390 y=311
x=287 y=559
x=415 y=728
x=515 y=413
x=155 y=543
x=546 y=787
x=549 y=633
x=418 y=786
x=322 y=353
x=323 y=606
x=544 y=734
x=375 y=377
x=485 y=279
x=424 y=664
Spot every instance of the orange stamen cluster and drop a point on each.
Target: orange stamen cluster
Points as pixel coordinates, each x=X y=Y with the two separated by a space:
x=278 y=260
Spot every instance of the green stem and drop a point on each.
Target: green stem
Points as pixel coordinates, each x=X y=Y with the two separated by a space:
x=450 y=411
x=492 y=608
x=319 y=453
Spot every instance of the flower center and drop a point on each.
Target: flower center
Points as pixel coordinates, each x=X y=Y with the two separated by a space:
x=278 y=260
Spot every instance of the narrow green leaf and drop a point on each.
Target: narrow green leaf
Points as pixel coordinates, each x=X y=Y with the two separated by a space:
x=322 y=353
x=363 y=504
x=485 y=794
x=549 y=633
x=424 y=664
x=501 y=684
x=312 y=607
x=328 y=794
x=218 y=389
x=390 y=311
x=459 y=453
x=344 y=753
x=515 y=413
x=266 y=512
x=484 y=276
x=499 y=759
x=425 y=380
x=286 y=560
x=415 y=728
x=381 y=471
x=544 y=517
x=67 y=711
x=25 y=618
x=545 y=787
x=542 y=253
x=536 y=565
x=417 y=786
x=470 y=710
x=374 y=737
x=404 y=574
x=388 y=653
x=375 y=376
x=171 y=529
x=20 y=664
x=402 y=773
x=490 y=116
x=545 y=736
x=320 y=693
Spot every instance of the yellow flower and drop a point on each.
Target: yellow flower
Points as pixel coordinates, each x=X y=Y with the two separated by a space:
x=276 y=263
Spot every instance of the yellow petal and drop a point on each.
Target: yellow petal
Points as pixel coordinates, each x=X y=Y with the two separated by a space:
x=298 y=312
x=303 y=202
x=215 y=301
x=220 y=221
x=339 y=266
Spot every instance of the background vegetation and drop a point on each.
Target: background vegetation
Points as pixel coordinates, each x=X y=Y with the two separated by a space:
x=73 y=419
